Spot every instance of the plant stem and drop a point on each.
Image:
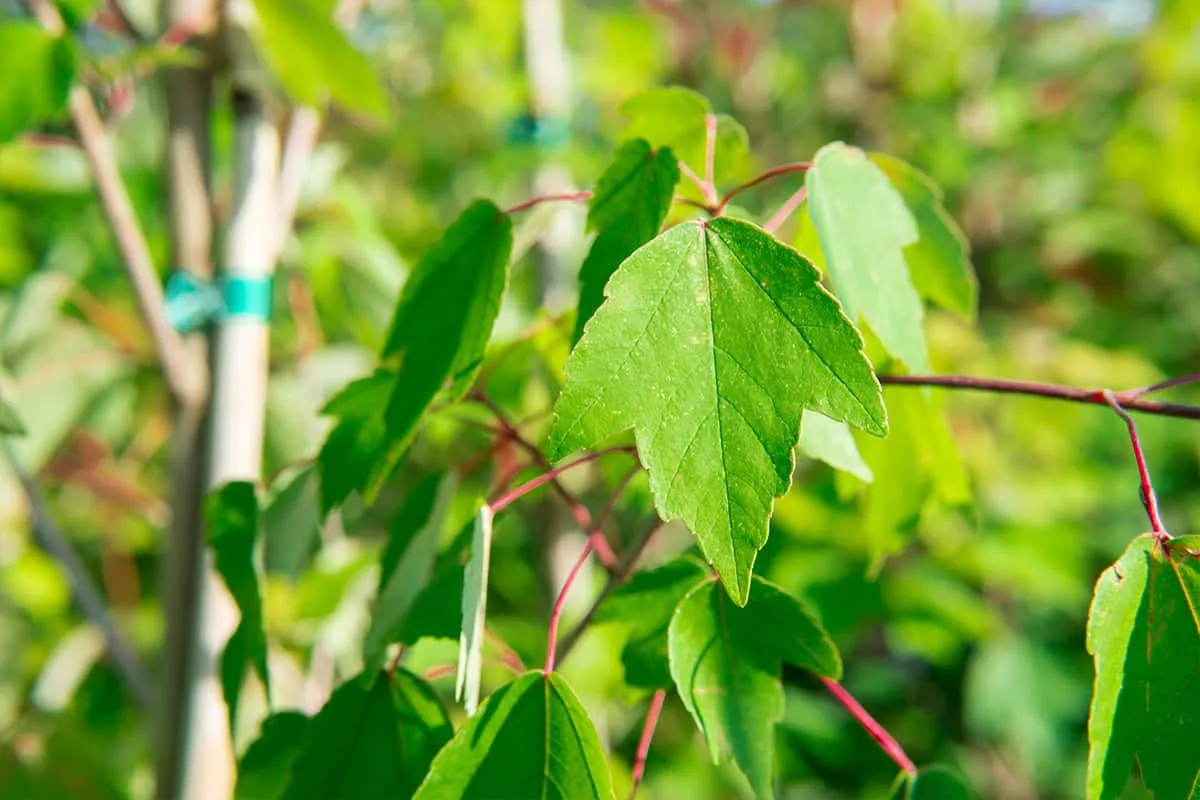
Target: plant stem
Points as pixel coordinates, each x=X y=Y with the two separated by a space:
x=710 y=157
x=549 y=198
x=877 y=731
x=643 y=748
x=1171 y=383
x=1149 y=498
x=184 y=377
x=561 y=601
x=774 y=172
x=1047 y=390
x=791 y=204
x=525 y=488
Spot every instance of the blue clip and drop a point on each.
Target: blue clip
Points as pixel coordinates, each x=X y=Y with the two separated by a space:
x=192 y=303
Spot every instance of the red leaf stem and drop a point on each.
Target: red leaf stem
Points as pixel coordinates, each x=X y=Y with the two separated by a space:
x=643 y=748
x=885 y=740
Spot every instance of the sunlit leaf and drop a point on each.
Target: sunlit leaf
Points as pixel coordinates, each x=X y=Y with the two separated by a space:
x=372 y=738
x=939 y=262
x=645 y=605
x=1144 y=635
x=864 y=227
x=713 y=340
x=832 y=442
x=474 y=612
x=726 y=664
x=532 y=738
x=628 y=206
x=231 y=523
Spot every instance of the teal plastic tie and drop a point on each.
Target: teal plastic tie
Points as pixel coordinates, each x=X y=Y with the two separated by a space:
x=192 y=303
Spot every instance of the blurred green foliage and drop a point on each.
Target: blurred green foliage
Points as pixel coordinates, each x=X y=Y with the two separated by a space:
x=1065 y=144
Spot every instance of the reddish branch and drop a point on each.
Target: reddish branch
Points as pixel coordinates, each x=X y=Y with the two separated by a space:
x=1130 y=401
x=549 y=198
x=547 y=477
x=869 y=723
x=791 y=204
x=1149 y=499
x=775 y=172
x=643 y=749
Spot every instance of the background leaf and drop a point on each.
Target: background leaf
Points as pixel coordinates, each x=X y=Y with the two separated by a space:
x=36 y=71
x=312 y=58
x=864 y=252
x=714 y=339
x=628 y=206
x=231 y=525
x=292 y=523
x=832 y=442
x=266 y=767
x=370 y=739
x=645 y=605
x=407 y=563
x=939 y=262
x=532 y=738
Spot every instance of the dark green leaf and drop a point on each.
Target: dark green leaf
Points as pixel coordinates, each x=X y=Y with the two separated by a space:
x=231 y=521
x=357 y=455
x=726 y=664
x=266 y=767
x=372 y=739
x=713 y=340
x=1144 y=634
x=532 y=738
x=474 y=612
x=76 y=12
x=36 y=71
x=675 y=117
x=645 y=605
x=832 y=442
x=313 y=59
x=940 y=260
x=628 y=206
x=292 y=523
x=444 y=317
x=437 y=611
x=864 y=227
x=407 y=562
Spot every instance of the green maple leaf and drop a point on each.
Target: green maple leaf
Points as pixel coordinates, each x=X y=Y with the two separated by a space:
x=726 y=664
x=628 y=207
x=1144 y=634
x=864 y=227
x=713 y=340
x=532 y=738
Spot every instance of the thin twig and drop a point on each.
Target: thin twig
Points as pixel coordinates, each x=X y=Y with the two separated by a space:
x=691 y=175
x=791 y=204
x=618 y=577
x=1047 y=390
x=1149 y=498
x=775 y=172
x=549 y=198
x=183 y=375
x=516 y=494
x=1182 y=380
x=710 y=157
x=643 y=748
x=88 y=597
x=582 y=516
x=886 y=741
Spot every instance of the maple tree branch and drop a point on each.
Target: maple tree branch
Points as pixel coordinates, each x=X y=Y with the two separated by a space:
x=1146 y=488
x=791 y=204
x=1128 y=401
x=578 y=510
x=885 y=740
x=184 y=377
x=503 y=502
x=774 y=172
x=549 y=198
x=615 y=579
x=643 y=748
x=594 y=535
